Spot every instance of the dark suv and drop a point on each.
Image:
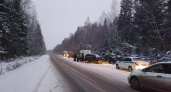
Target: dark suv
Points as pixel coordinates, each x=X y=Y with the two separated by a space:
x=92 y=58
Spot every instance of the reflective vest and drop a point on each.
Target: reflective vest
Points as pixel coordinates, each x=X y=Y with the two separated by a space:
x=80 y=55
x=113 y=57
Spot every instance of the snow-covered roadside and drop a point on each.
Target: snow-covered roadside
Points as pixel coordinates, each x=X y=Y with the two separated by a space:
x=14 y=64
x=36 y=76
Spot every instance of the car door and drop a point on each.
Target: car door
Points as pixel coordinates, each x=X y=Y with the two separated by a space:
x=167 y=79
x=127 y=62
x=88 y=57
x=153 y=77
x=121 y=63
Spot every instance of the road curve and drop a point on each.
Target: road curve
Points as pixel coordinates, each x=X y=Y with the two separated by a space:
x=86 y=80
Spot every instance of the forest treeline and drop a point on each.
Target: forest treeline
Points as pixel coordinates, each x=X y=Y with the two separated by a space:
x=142 y=27
x=20 y=31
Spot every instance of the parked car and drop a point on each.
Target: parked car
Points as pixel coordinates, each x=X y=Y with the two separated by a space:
x=156 y=76
x=92 y=58
x=132 y=63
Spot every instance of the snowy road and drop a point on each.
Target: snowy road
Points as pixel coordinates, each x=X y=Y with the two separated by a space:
x=92 y=77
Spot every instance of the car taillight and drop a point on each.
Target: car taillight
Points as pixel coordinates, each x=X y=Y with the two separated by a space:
x=148 y=64
x=136 y=63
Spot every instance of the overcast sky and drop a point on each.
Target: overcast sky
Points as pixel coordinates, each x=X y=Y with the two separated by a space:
x=59 y=18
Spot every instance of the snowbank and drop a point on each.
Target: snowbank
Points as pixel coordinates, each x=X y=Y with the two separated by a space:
x=14 y=64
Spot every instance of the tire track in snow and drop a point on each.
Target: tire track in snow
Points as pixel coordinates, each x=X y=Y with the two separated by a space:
x=37 y=87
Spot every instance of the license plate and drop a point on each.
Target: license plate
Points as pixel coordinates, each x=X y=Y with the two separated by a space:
x=143 y=64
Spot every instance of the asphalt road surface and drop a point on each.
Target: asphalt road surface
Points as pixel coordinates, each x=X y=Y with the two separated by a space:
x=86 y=80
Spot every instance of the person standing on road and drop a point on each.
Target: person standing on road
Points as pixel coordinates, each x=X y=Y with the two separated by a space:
x=81 y=57
x=75 y=56
x=113 y=60
x=78 y=57
x=106 y=58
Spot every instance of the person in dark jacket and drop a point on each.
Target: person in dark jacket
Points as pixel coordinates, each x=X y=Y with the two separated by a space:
x=82 y=57
x=78 y=57
x=75 y=56
x=106 y=58
x=113 y=59
x=110 y=58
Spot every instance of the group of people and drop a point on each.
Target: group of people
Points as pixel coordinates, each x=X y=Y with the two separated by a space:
x=79 y=57
x=110 y=58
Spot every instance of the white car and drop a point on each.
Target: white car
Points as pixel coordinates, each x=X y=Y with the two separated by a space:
x=132 y=63
x=156 y=76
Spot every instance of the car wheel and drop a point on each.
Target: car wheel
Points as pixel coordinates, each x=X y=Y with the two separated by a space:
x=135 y=84
x=117 y=66
x=130 y=69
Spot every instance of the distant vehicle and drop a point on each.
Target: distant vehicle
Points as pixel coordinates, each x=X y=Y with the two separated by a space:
x=95 y=58
x=70 y=54
x=65 y=53
x=156 y=76
x=132 y=63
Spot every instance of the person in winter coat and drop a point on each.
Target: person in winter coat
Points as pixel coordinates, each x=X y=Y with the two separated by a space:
x=81 y=55
x=78 y=57
x=75 y=56
x=113 y=59
x=106 y=58
x=110 y=58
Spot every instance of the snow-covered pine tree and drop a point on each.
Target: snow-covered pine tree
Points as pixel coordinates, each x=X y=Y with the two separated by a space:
x=125 y=19
x=4 y=29
x=15 y=25
x=18 y=30
x=149 y=20
x=36 y=44
x=167 y=35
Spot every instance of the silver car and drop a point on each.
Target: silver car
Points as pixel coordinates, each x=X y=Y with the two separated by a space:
x=157 y=77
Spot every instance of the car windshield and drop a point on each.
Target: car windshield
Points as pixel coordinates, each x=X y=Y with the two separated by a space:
x=65 y=52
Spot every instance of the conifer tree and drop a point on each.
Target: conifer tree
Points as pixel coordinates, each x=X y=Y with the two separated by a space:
x=125 y=19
